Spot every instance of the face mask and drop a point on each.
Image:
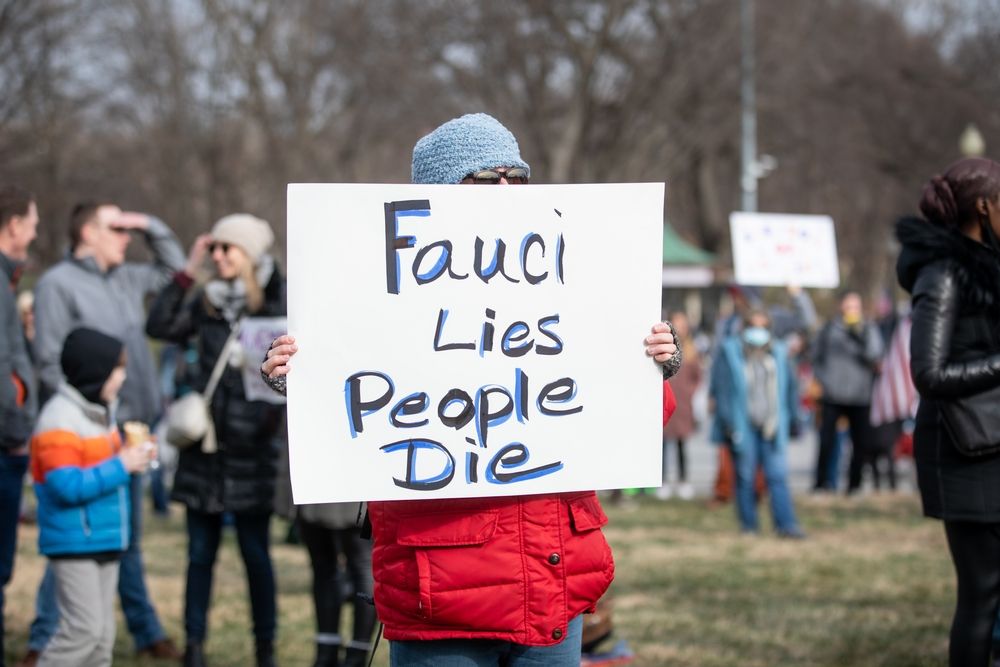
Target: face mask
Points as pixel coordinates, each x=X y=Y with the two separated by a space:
x=756 y=336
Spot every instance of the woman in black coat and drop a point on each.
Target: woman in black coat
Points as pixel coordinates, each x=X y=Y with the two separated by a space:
x=950 y=264
x=238 y=475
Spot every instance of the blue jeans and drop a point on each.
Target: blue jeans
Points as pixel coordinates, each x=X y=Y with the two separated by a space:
x=254 y=537
x=836 y=452
x=158 y=491
x=756 y=450
x=12 y=469
x=140 y=617
x=488 y=653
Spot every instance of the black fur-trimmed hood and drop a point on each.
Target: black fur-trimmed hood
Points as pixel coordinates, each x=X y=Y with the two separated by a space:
x=924 y=242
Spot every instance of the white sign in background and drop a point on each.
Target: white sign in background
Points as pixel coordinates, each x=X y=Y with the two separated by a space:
x=595 y=295
x=783 y=249
x=256 y=334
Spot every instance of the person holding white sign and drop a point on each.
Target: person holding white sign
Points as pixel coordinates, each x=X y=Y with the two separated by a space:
x=516 y=572
x=755 y=394
x=239 y=475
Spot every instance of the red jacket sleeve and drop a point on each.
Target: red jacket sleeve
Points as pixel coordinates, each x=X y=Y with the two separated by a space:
x=669 y=402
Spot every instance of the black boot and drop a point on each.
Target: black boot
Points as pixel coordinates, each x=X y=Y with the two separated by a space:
x=356 y=657
x=265 y=654
x=327 y=655
x=194 y=656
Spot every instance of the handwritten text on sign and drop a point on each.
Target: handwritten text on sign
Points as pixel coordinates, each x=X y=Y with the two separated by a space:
x=460 y=341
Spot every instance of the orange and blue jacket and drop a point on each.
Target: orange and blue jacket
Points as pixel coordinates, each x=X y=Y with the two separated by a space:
x=80 y=483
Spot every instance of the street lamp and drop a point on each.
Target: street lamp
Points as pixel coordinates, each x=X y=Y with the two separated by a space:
x=748 y=109
x=752 y=167
x=971 y=143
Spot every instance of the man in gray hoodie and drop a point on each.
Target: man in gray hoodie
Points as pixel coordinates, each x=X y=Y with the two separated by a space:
x=95 y=287
x=18 y=224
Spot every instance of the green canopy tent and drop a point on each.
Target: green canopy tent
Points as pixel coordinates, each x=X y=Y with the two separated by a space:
x=684 y=264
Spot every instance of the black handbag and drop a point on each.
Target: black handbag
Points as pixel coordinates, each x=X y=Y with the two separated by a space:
x=973 y=422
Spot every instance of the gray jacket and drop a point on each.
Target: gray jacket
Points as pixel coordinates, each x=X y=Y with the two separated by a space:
x=845 y=361
x=15 y=421
x=77 y=293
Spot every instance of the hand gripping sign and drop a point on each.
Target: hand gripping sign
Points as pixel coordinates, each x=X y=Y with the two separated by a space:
x=459 y=341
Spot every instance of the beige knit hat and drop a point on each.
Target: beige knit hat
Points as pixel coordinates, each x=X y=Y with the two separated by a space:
x=248 y=232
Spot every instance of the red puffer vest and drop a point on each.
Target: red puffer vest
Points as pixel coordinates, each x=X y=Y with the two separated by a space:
x=516 y=569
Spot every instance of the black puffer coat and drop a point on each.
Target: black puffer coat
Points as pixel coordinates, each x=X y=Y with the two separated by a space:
x=955 y=351
x=241 y=476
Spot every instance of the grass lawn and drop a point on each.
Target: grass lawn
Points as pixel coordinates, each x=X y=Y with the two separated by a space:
x=871 y=586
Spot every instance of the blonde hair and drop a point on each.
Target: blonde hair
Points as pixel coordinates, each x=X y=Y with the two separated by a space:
x=255 y=293
x=248 y=275
x=685 y=342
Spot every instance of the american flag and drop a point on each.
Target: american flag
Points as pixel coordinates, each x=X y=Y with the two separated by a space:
x=894 y=398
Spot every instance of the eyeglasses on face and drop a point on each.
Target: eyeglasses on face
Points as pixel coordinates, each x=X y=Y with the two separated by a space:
x=213 y=246
x=514 y=176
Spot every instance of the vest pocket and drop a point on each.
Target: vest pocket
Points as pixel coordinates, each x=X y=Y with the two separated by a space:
x=586 y=514
x=446 y=547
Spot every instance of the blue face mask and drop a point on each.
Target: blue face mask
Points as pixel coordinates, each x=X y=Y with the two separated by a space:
x=756 y=336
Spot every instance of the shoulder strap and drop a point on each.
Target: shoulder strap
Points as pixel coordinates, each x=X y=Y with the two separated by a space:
x=220 y=363
x=824 y=342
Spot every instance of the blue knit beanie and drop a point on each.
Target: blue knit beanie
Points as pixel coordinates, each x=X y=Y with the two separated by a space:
x=462 y=146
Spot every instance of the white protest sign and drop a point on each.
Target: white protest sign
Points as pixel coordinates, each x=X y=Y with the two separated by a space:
x=256 y=335
x=460 y=341
x=783 y=249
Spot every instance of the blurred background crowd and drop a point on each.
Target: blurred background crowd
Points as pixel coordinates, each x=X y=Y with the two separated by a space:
x=198 y=108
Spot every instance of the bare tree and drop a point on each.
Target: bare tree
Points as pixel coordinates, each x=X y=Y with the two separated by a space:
x=196 y=109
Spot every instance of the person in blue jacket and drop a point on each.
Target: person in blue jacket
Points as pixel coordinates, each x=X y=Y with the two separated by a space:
x=81 y=473
x=754 y=391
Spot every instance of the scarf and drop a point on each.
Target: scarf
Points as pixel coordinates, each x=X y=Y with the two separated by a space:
x=762 y=392
x=229 y=297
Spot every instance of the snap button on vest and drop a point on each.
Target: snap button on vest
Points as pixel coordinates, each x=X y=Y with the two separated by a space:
x=554 y=559
x=557 y=634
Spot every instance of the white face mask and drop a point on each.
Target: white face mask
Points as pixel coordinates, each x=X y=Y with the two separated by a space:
x=756 y=336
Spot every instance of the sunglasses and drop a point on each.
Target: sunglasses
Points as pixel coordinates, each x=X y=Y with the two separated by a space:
x=514 y=176
x=224 y=247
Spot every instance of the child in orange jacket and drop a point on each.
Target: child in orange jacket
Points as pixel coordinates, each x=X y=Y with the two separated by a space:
x=81 y=474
